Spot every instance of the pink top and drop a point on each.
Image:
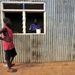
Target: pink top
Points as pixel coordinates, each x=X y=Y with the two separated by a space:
x=8 y=45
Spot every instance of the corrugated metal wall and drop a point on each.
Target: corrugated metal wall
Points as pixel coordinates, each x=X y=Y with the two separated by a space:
x=58 y=44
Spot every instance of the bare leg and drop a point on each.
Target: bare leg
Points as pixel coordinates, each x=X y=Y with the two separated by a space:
x=8 y=64
x=11 y=60
x=9 y=67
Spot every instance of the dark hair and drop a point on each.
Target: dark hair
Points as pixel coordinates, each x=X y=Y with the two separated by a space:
x=5 y=19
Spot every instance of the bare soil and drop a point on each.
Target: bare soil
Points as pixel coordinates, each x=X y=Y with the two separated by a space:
x=54 y=68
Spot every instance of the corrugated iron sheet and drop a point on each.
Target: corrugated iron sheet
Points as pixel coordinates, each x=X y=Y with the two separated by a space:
x=58 y=44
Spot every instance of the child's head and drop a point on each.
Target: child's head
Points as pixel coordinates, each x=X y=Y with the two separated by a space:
x=7 y=21
x=35 y=21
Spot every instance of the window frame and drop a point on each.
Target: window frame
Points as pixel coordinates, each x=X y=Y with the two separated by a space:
x=24 y=15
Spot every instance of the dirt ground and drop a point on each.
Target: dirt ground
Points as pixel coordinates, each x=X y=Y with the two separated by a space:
x=55 y=68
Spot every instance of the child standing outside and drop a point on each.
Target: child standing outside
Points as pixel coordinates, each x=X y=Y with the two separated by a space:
x=8 y=45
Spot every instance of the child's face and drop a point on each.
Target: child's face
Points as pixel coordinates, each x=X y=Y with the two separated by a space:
x=35 y=21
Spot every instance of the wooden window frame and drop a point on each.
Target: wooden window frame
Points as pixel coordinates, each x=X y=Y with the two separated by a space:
x=24 y=15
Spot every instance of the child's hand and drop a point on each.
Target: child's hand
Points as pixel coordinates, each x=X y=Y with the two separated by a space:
x=7 y=40
x=34 y=28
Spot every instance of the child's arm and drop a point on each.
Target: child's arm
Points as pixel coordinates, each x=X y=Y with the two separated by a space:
x=1 y=31
x=6 y=33
x=7 y=40
x=1 y=38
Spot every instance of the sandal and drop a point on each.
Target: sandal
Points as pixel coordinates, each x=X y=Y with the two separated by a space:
x=12 y=70
x=7 y=66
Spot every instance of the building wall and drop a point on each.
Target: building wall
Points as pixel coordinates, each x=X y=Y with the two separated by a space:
x=58 y=44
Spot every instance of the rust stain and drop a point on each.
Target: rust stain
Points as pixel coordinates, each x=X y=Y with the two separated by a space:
x=74 y=57
x=36 y=43
x=36 y=55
